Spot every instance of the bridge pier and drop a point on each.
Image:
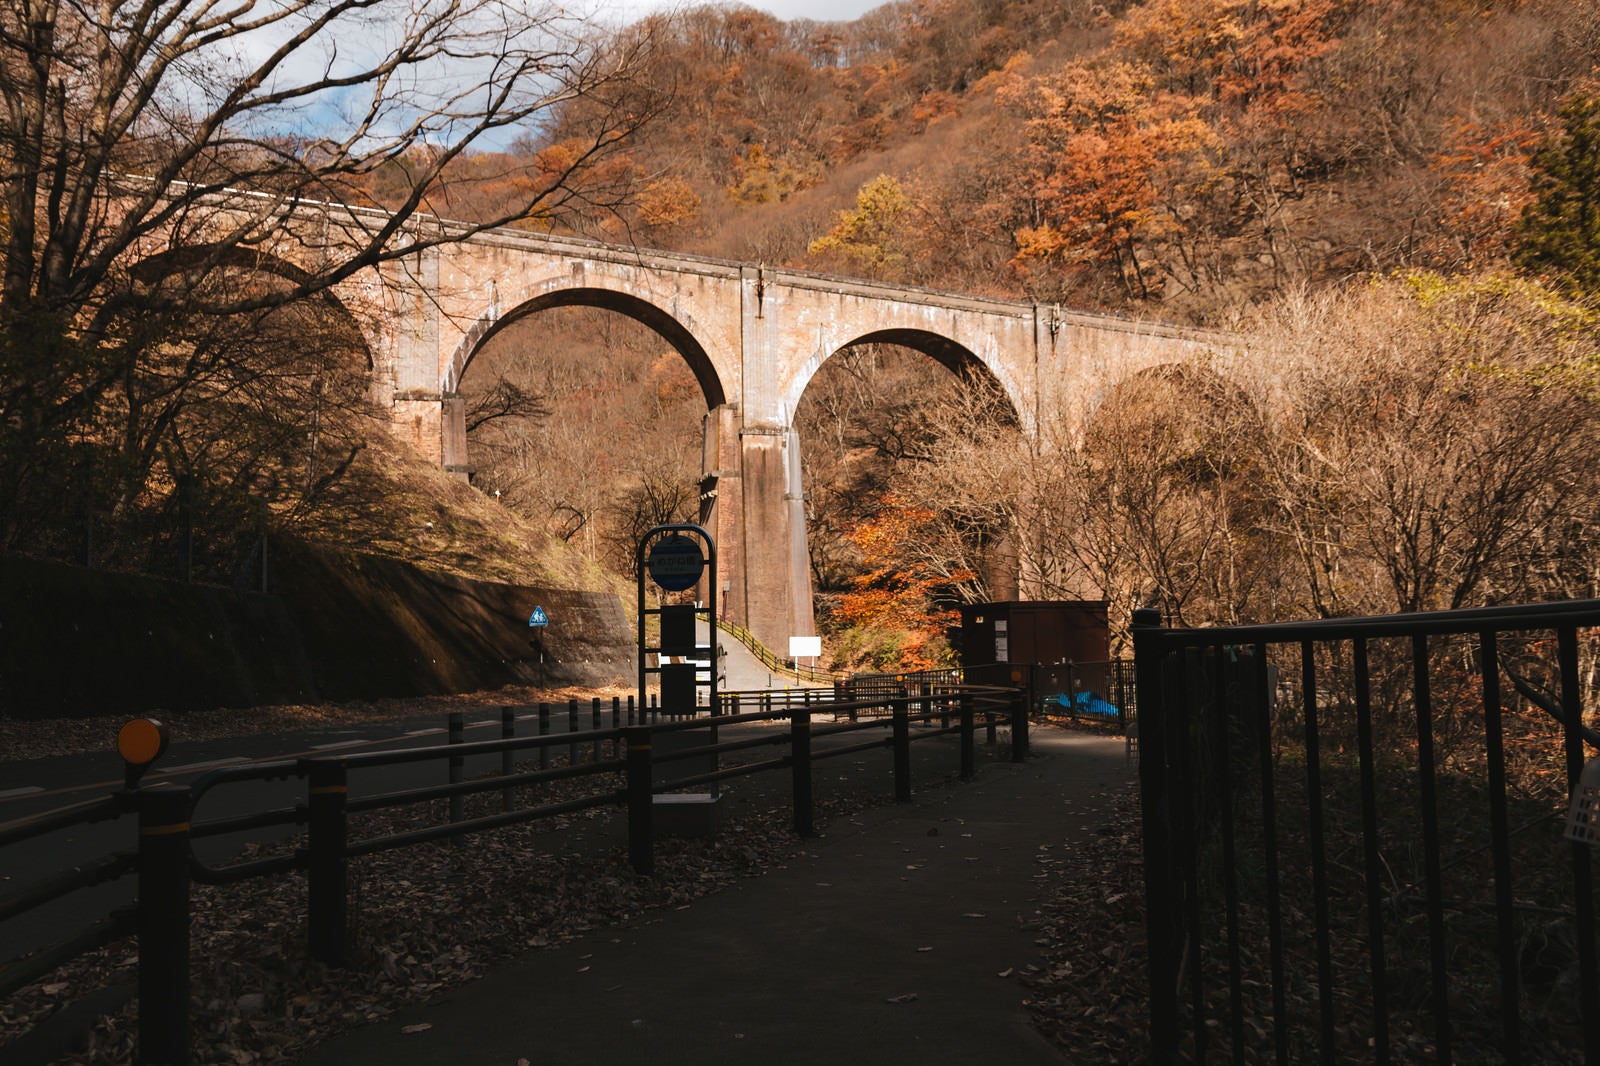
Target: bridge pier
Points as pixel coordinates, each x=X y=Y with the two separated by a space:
x=756 y=512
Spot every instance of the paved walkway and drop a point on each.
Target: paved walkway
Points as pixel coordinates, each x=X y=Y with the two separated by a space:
x=897 y=936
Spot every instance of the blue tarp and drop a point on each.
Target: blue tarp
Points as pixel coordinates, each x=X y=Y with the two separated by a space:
x=1087 y=703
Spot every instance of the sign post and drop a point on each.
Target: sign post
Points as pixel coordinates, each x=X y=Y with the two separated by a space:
x=538 y=621
x=677 y=558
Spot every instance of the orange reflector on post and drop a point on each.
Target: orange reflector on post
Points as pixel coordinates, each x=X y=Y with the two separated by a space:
x=141 y=741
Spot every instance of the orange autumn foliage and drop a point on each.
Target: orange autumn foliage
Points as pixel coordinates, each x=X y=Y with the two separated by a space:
x=902 y=589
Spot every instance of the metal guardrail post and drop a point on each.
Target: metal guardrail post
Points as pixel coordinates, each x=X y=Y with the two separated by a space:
x=641 y=812
x=1019 y=725
x=969 y=761
x=455 y=735
x=326 y=873
x=508 y=731
x=800 y=766
x=1161 y=908
x=163 y=923
x=544 y=731
x=902 y=750
x=595 y=724
x=572 y=730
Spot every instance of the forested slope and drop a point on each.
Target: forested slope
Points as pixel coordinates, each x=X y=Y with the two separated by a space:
x=1253 y=166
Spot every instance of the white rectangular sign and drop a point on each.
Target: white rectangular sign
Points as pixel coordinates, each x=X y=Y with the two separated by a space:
x=805 y=647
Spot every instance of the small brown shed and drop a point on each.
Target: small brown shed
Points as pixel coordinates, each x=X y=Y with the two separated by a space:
x=995 y=637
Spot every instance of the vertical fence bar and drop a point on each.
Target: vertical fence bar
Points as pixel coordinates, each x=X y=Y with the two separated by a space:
x=630 y=710
x=1183 y=746
x=1427 y=782
x=1317 y=839
x=327 y=906
x=800 y=767
x=969 y=760
x=594 y=723
x=1372 y=856
x=1264 y=697
x=1019 y=724
x=455 y=735
x=901 y=726
x=544 y=731
x=1217 y=726
x=508 y=765
x=641 y=828
x=1500 y=839
x=1161 y=931
x=572 y=731
x=163 y=923
x=1582 y=870
x=616 y=724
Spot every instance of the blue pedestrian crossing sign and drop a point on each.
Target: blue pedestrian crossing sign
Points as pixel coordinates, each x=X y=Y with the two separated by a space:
x=538 y=617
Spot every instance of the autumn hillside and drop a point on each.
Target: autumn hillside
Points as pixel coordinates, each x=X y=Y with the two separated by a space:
x=1388 y=207
x=1176 y=157
x=1218 y=162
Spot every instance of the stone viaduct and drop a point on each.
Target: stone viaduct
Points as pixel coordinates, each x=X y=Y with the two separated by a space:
x=754 y=336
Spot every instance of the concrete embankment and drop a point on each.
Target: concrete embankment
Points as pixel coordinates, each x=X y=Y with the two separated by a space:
x=77 y=641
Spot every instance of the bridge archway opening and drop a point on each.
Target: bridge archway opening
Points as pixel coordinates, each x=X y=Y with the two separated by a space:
x=207 y=277
x=260 y=393
x=584 y=410
x=647 y=314
x=880 y=421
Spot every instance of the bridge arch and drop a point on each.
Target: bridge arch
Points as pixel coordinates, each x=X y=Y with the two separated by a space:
x=952 y=355
x=156 y=268
x=554 y=293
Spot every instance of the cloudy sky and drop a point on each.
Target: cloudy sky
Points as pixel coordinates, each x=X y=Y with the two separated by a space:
x=821 y=10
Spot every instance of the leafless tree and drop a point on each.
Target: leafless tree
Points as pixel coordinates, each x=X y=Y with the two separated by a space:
x=205 y=131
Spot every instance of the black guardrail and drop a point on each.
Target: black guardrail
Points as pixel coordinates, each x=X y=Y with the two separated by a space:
x=636 y=759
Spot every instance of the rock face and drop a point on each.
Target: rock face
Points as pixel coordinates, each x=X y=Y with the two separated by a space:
x=335 y=626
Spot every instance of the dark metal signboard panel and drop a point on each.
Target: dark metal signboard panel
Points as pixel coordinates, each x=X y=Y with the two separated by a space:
x=676 y=558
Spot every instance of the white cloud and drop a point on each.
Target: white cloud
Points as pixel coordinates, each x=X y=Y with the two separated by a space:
x=625 y=11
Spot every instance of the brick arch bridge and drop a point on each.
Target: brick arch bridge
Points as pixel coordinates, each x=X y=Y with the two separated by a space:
x=754 y=336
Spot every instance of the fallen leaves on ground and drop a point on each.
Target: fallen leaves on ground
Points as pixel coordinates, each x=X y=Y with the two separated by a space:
x=425 y=919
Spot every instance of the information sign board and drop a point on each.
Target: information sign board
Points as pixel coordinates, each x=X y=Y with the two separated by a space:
x=675 y=563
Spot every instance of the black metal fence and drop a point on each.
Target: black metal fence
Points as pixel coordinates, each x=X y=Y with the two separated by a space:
x=1355 y=838
x=629 y=765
